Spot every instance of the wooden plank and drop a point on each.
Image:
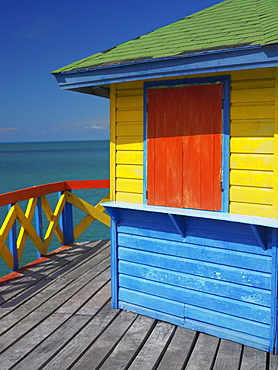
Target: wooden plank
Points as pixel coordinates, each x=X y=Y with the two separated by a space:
x=130 y=92
x=228 y=356
x=105 y=344
x=260 y=162
x=129 y=197
x=253 y=112
x=129 y=115
x=93 y=304
x=273 y=362
x=129 y=157
x=255 y=74
x=200 y=299
x=130 y=185
x=252 y=128
x=179 y=350
x=46 y=308
x=130 y=102
x=129 y=85
x=129 y=171
x=84 y=339
x=85 y=293
x=256 y=95
x=129 y=143
x=203 y=353
x=252 y=145
x=262 y=179
x=199 y=252
x=54 y=343
x=257 y=83
x=197 y=267
x=153 y=349
x=247 y=294
x=253 y=359
x=128 y=348
x=133 y=129
x=251 y=195
x=251 y=209
x=25 y=345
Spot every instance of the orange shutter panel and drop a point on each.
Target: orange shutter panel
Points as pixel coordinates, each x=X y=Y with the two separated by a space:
x=185 y=147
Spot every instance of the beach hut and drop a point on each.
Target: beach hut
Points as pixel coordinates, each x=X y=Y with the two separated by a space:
x=194 y=169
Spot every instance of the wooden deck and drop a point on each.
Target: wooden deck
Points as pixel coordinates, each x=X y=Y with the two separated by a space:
x=57 y=315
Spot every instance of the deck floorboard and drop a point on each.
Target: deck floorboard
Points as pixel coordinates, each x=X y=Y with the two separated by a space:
x=57 y=315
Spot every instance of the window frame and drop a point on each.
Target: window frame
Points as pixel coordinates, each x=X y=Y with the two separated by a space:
x=225 y=81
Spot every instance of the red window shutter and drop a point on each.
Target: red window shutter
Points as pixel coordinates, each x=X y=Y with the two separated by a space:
x=185 y=147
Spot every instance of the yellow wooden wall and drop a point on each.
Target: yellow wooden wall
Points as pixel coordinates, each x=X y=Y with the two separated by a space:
x=254 y=139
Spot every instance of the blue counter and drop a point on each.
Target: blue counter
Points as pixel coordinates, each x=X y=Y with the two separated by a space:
x=207 y=271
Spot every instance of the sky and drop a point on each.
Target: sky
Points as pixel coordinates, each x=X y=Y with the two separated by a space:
x=39 y=36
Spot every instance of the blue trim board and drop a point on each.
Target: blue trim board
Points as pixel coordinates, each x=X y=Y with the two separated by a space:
x=219 y=61
x=225 y=80
x=274 y=288
x=231 y=217
x=114 y=263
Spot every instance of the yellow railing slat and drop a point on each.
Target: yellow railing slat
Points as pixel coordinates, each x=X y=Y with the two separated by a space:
x=22 y=236
x=7 y=225
x=54 y=221
x=82 y=226
x=30 y=230
x=88 y=208
x=49 y=215
x=7 y=256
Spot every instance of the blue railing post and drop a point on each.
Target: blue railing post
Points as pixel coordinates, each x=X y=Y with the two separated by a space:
x=66 y=222
x=12 y=242
x=38 y=218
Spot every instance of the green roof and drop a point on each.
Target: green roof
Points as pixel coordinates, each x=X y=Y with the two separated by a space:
x=227 y=25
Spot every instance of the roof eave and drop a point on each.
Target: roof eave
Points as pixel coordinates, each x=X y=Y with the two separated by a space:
x=187 y=64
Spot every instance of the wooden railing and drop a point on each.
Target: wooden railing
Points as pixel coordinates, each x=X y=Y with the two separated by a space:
x=60 y=220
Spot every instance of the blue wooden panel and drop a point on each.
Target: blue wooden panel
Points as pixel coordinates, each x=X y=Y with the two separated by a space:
x=206 y=274
x=218 y=331
x=198 y=268
x=155 y=303
x=194 y=313
x=198 y=252
x=222 y=288
x=196 y=237
x=152 y=313
x=209 y=301
x=227 y=321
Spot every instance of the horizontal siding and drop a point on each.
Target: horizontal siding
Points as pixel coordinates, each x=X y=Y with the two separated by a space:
x=261 y=179
x=130 y=185
x=129 y=142
x=251 y=209
x=218 y=284
x=252 y=115
x=252 y=142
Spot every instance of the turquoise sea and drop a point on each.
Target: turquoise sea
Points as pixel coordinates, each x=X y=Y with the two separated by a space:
x=24 y=165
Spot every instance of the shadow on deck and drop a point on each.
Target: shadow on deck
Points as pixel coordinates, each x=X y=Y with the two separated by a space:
x=57 y=315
